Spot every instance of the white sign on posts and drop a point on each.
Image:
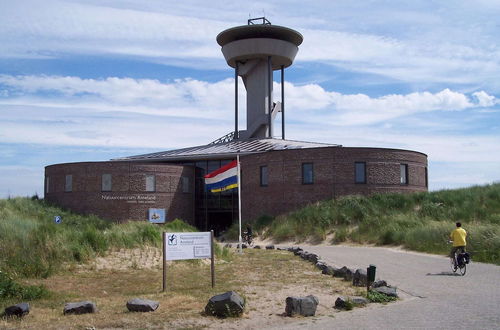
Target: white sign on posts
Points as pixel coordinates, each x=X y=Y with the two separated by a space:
x=182 y=246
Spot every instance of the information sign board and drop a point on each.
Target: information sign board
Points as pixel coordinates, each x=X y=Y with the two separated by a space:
x=157 y=215
x=182 y=246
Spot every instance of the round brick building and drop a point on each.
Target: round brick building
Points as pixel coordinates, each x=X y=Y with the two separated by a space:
x=277 y=175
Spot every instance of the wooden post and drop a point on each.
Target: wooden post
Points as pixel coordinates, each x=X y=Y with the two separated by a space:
x=164 y=262
x=212 y=263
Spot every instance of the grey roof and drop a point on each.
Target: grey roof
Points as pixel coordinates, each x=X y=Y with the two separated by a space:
x=226 y=150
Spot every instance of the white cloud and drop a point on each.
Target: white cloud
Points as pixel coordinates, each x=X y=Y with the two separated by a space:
x=413 y=44
x=485 y=100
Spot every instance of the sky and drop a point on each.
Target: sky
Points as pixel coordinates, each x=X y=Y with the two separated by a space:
x=99 y=79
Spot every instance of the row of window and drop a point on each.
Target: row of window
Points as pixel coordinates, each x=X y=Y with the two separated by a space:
x=107 y=183
x=359 y=173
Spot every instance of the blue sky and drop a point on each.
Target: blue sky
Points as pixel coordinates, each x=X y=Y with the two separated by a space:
x=96 y=79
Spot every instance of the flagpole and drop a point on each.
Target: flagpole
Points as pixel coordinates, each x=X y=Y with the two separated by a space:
x=239 y=200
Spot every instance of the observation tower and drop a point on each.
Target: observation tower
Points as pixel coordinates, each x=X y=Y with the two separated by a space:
x=255 y=51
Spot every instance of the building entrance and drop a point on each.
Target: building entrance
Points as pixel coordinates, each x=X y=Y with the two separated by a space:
x=214 y=211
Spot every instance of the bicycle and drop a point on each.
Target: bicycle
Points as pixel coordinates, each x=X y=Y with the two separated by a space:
x=459 y=262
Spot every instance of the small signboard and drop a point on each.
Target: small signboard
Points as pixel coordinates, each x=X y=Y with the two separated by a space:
x=157 y=215
x=182 y=246
x=57 y=219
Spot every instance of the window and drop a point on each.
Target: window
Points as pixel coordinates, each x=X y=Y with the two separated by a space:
x=307 y=173
x=47 y=182
x=360 y=172
x=106 y=182
x=185 y=184
x=150 y=182
x=68 y=186
x=263 y=176
x=403 y=173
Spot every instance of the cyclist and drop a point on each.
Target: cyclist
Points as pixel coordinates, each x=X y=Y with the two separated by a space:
x=458 y=237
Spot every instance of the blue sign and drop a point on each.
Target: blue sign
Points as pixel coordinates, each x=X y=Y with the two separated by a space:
x=157 y=215
x=57 y=219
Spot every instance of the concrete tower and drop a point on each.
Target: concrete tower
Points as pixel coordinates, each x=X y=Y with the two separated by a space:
x=255 y=51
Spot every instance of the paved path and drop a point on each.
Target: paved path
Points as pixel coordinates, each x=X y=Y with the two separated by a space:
x=433 y=297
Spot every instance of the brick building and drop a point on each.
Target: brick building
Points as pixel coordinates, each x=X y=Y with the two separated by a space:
x=277 y=175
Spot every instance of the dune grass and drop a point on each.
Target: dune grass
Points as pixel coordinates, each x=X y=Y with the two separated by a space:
x=34 y=246
x=419 y=221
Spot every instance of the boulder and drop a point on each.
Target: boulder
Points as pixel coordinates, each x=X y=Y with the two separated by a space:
x=18 y=310
x=321 y=265
x=359 y=278
x=387 y=290
x=379 y=283
x=313 y=258
x=349 y=302
x=345 y=273
x=257 y=247
x=295 y=249
x=81 y=307
x=329 y=270
x=270 y=247
x=304 y=255
x=227 y=304
x=142 y=305
x=305 y=306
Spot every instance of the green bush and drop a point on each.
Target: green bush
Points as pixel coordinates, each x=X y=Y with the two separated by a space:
x=10 y=289
x=377 y=297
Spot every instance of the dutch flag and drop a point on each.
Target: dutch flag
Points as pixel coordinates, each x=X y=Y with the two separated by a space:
x=224 y=178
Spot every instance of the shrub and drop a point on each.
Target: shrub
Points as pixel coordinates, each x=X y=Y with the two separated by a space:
x=377 y=297
x=11 y=289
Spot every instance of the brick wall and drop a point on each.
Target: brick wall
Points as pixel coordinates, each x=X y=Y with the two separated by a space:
x=128 y=199
x=334 y=176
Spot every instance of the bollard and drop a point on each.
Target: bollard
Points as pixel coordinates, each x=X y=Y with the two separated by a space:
x=370 y=276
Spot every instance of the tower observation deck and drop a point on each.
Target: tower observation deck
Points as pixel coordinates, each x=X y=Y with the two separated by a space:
x=255 y=51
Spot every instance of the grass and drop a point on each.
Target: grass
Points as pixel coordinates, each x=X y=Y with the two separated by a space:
x=33 y=246
x=418 y=221
x=253 y=274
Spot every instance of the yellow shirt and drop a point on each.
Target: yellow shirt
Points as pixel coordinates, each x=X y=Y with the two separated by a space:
x=458 y=236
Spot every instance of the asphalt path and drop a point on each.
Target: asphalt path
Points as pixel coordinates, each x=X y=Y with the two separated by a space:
x=433 y=297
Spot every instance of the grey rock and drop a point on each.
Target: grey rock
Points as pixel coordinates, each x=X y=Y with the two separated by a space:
x=345 y=273
x=359 y=278
x=18 y=310
x=82 y=307
x=305 y=306
x=329 y=270
x=270 y=247
x=227 y=304
x=313 y=258
x=346 y=302
x=304 y=254
x=379 y=283
x=296 y=250
x=387 y=290
x=341 y=302
x=142 y=305
x=257 y=247
x=359 y=301
x=321 y=265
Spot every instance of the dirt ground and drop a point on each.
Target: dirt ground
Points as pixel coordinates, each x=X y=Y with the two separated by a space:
x=265 y=278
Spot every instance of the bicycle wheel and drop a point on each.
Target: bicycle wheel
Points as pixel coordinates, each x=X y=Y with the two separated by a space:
x=453 y=266
x=463 y=269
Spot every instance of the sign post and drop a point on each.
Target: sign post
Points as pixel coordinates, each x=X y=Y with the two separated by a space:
x=183 y=246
